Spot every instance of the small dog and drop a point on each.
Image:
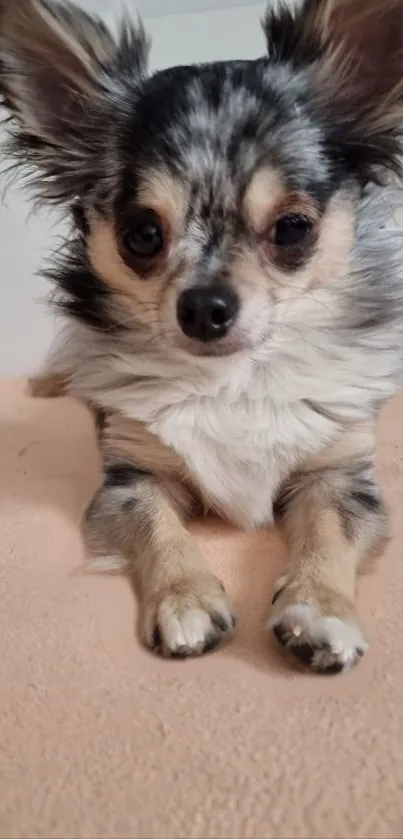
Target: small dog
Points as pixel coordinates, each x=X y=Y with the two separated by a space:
x=232 y=294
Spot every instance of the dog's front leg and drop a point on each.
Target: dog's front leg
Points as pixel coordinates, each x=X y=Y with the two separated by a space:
x=334 y=520
x=183 y=607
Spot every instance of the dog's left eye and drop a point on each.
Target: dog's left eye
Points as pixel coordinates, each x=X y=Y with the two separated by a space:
x=145 y=238
x=292 y=230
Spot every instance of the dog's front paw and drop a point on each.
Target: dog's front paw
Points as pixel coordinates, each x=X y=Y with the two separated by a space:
x=325 y=643
x=189 y=618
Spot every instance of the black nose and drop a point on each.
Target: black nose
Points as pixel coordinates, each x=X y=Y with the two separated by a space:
x=207 y=314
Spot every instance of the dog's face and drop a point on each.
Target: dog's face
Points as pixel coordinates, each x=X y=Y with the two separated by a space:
x=208 y=199
x=228 y=204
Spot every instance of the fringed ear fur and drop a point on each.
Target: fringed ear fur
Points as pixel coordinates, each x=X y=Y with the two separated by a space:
x=352 y=51
x=58 y=66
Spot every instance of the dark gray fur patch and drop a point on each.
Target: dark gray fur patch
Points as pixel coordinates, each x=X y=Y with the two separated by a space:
x=359 y=499
x=352 y=491
x=122 y=475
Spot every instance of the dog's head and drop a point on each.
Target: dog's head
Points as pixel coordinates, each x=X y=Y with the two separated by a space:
x=204 y=196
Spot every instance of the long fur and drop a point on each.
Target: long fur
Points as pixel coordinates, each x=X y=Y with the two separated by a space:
x=276 y=420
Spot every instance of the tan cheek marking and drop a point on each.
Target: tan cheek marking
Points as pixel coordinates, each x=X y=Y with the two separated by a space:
x=332 y=255
x=108 y=264
x=330 y=258
x=106 y=260
x=167 y=196
x=265 y=191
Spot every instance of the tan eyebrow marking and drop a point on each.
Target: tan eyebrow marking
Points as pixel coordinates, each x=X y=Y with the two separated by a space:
x=265 y=191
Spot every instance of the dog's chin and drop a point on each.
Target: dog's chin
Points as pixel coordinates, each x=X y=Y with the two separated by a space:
x=222 y=348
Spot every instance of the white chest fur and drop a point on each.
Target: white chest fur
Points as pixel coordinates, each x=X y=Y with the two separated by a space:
x=242 y=427
x=240 y=451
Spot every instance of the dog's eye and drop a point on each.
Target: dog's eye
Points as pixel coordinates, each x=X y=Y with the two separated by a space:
x=292 y=230
x=145 y=238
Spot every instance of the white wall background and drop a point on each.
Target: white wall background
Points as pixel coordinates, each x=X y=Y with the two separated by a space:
x=26 y=325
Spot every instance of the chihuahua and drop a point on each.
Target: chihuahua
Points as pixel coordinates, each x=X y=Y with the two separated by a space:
x=232 y=296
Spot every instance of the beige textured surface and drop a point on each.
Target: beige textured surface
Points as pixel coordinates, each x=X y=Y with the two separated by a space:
x=99 y=739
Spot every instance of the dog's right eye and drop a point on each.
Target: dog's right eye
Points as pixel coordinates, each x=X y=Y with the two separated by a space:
x=145 y=238
x=292 y=230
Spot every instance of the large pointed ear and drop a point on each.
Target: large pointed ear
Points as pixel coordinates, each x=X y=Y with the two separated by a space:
x=61 y=75
x=352 y=52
